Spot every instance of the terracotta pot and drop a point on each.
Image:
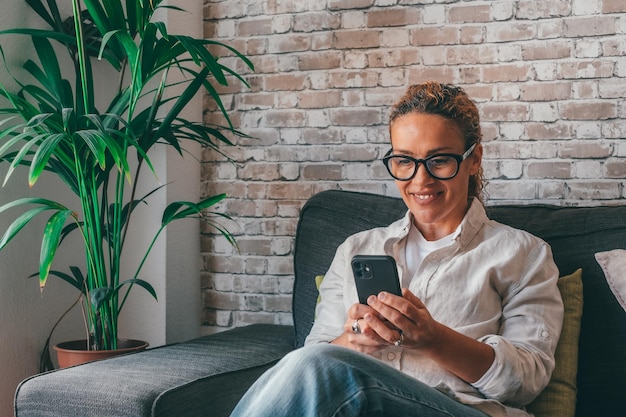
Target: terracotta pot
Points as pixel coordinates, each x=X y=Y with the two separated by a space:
x=75 y=352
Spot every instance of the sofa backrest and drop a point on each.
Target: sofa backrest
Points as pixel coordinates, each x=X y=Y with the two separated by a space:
x=574 y=233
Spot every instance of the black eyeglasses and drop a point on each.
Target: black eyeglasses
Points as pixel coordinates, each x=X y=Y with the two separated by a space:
x=443 y=166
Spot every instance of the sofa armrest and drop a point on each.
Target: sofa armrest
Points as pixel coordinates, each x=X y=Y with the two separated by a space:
x=201 y=377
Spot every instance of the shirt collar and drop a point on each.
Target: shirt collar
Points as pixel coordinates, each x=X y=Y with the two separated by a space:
x=473 y=221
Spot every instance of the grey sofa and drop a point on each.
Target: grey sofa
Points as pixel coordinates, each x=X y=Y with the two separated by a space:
x=207 y=376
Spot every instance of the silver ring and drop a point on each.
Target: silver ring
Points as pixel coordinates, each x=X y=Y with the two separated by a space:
x=399 y=341
x=355 y=326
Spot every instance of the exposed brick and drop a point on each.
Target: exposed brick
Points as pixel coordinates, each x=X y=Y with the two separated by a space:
x=283 y=118
x=544 y=131
x=614 y=47
x=550 y=190
x=319 y=99
x=319 y=60
x=613 y=6
x=289 y=43
x=434 y=14
x=532 y=9
x=551 y=169
x=349 y=4
x=288 y=82
x=588 y=110
x=504 y=190
x=584 y=150
x=587 y=169
x=440 y=73
x=444 y=35
x=504 y=111
x=392 y=58
x=589 y=26
x=550 y=29
x=394 y=38
x=393 y=17
x=353 y=153
x=354 y=79
x=223 y=10
x=256 y=101
x=311 y=22
x=507 y=72
x=507 y=32
x=614 y=129
x=255 y=27
x=355 y=117
x=546 y=91
x=357 y=39
x=472 y=54
x=615 y=168
x=258 y=172
x=592 y=190
x=281 y=191
x=547 y=50
x=469 y=14
x=613 y=88
x=472 y=34
x=321 y=41
x=544 y=112
x=586 y=69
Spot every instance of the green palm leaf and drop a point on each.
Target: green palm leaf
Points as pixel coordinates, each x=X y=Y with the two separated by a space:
x=50 y=243
x=18 y=224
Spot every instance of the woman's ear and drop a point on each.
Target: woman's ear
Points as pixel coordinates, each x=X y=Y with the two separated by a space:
x=476 y=158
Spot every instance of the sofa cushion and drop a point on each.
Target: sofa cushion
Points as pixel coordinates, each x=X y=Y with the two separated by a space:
x=558 y=399
x=205 y=376
x=613 y=265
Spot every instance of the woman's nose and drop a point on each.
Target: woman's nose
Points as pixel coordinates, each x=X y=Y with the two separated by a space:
x=422 y=176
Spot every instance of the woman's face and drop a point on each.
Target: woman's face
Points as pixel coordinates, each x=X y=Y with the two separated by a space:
x=438 y=206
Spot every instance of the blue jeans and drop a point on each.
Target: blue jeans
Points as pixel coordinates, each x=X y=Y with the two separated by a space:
x=326 y=380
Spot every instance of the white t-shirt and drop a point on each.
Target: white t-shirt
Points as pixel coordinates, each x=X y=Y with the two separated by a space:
x=418 y=248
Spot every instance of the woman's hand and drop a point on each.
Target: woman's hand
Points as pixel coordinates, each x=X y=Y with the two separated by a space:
x=465 y=357
x=406 y=319
x=366 y=339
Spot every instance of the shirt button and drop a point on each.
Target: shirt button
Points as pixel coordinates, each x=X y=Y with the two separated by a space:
x=391 y=356
x=545 y=334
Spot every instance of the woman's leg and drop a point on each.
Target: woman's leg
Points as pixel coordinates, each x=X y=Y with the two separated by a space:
x=329 y=381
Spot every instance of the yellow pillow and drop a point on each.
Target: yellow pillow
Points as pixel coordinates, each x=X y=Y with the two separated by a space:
x=318 y=282
x=558 y=399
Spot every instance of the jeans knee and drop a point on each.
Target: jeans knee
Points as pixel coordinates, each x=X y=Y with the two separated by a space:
x=312 y=355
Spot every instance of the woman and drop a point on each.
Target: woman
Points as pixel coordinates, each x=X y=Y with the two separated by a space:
x=475 y=329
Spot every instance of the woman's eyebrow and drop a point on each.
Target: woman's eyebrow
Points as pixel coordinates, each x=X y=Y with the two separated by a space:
x=430 y=152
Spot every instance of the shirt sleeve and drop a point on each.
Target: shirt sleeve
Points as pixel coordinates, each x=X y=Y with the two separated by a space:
x=330 y=313
x=524 y=347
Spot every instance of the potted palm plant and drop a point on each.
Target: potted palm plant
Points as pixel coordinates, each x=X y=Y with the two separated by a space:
x=56 y=125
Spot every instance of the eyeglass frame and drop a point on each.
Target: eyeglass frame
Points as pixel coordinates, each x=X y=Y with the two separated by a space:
x=459 y=159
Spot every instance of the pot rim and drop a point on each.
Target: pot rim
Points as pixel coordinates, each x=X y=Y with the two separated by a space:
x=81 y=345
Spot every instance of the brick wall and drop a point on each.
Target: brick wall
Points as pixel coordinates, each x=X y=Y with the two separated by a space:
x=549 y=78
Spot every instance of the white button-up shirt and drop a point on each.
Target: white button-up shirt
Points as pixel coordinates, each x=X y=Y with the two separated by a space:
x=495 y=284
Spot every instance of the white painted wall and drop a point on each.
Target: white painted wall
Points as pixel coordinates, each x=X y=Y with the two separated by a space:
x=26 y=316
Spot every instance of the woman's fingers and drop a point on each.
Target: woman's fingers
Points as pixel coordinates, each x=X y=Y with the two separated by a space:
x=359 y=333
x=407 y=314
x=388 y=333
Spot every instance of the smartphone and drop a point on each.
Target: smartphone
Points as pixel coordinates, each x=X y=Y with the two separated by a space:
x=373 y=274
